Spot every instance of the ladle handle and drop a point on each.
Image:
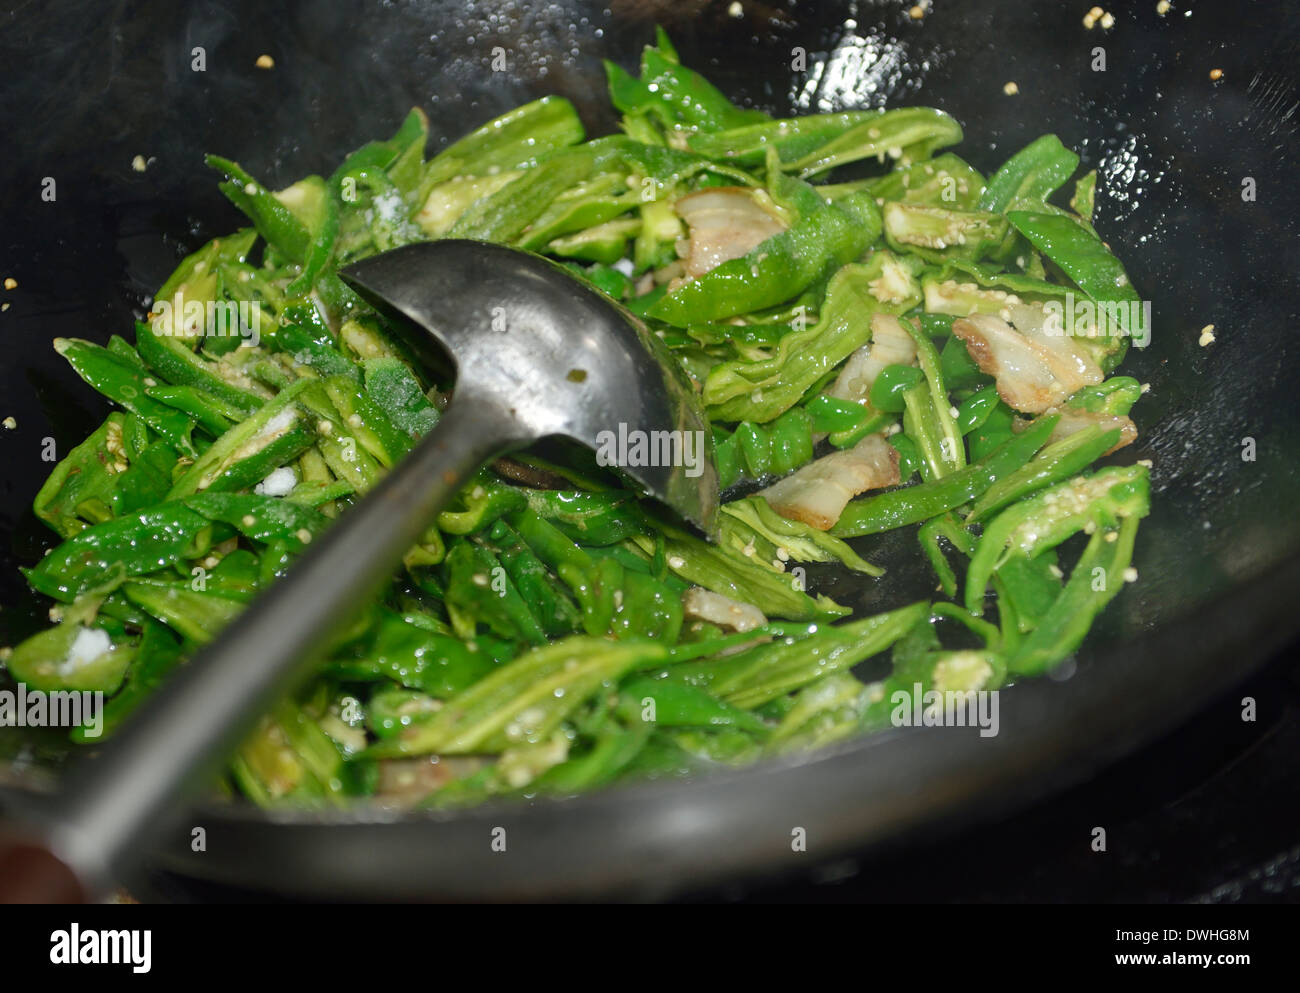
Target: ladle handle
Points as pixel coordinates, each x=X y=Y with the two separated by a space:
x=111 y=807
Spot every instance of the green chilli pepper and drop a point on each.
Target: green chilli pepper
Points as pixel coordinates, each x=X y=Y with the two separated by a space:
x=945 y=526
x=1097 y=578
x=762 y=390
x=1029 y=177
x=1055 y=462
x=126 y=546
x=959 y=369
x=677 y=95
x=1044 y=520
x=169 y=356
x=976 y=409
x=72 y=656
x=830 y=414
x=906 y=133
x=261 y=518
x=1084 y=193
x=276 y=418
x=156 y=656
x=146 y=481
x=274 y=219
x=85 y=480
x=1028 y=587
x=730 y=573
x=210 y=413
x=504 y=215
x=480 y=590
x=378 y=434
x=752 y=521
x=909 y=456
x=1114 y=397
x=589 y=518
x=768 y=671
x=195 y=615
x=518 y=702
x=890 y=386
x=944 y=181
x=941 y=233
x=401 y=648
x=912 y=504
x=792 y=138
x=1081 y=255
x=549 y=601
x=126 y=385
x=826 y=235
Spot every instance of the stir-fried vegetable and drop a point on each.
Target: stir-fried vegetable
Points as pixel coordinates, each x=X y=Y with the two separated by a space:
x=552 y=631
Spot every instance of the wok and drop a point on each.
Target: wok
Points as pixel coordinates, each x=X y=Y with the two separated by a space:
x=87 y=87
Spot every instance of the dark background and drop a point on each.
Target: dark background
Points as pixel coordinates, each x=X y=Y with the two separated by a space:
x=84 y=87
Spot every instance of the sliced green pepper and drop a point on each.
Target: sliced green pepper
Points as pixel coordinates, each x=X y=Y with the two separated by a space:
x=1029 y=177
x=1044 y=520
x=1097 y=578
x=519 y=702
x=912 y=504
x=826 y=235
x=125 y=384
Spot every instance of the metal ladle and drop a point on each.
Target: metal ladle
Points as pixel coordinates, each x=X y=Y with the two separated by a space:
x=538 y=353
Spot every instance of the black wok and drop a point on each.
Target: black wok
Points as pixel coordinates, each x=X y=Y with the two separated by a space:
x=87 y=86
